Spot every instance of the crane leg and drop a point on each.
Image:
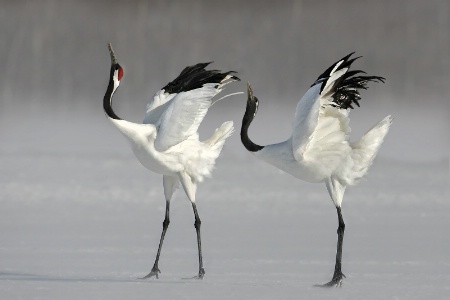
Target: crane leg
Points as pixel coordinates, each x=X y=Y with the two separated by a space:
x=155 y=270
x=338 y=276
x=190 y=187
x=197 y=224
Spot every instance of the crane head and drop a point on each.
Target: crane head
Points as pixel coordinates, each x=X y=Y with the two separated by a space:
x=116 y=69
x=249 y=115
x=252 y=101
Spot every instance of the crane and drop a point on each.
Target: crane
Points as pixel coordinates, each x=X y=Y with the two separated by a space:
x=168 y=143
x=319 y=151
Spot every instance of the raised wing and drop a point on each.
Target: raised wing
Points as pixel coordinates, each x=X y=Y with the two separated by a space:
x=321 y=122
x=191 y=78
x=156 y=107
x=180 y=116
x=183 y=116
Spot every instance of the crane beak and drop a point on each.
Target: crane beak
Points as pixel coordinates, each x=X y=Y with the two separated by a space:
x=113 y=56
x=250 y=92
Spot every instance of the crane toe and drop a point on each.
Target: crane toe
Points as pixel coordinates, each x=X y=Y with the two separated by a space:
x=336 y=281
x=153 y=272
x=200 y=275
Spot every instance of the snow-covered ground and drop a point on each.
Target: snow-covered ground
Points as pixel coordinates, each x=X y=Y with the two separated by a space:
x=80 y=218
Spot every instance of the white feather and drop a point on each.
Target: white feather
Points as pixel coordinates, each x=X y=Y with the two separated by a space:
x=182 y=117
x=157 y=105
x=365 y=150
x=319 y=149
x=168 y=142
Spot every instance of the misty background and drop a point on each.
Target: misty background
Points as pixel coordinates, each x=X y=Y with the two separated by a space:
x=80 y=218
x=55 y=66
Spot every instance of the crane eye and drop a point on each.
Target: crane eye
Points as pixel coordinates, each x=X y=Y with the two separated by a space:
x=120 y=73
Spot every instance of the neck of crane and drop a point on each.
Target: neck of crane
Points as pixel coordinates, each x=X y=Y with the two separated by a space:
x=107 y=100
x=246 y=121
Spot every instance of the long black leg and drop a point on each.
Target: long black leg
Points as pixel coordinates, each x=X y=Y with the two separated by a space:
x=155 y=270
x=197 y=224
x=338 y=275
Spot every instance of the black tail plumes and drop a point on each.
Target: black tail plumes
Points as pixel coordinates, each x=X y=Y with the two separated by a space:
x=194 y=77
x=345 y=89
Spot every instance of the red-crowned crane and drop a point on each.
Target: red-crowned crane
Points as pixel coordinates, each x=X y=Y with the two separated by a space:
x=319 y=149
x=167 y=142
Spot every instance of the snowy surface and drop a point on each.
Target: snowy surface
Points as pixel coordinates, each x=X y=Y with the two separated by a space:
x=82 y=220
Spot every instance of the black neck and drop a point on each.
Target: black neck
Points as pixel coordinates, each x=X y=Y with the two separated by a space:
x=248 y=144
x=107 y=106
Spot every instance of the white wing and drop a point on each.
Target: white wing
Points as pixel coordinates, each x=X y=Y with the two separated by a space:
x=365 y=150
x=156 y=107
x=321 y=129
x=305 y=119
x=328 y=144
x=317 y=123
x=183 y=115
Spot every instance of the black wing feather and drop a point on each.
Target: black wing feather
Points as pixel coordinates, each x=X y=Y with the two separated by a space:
x=194 y=77
x=327 y=72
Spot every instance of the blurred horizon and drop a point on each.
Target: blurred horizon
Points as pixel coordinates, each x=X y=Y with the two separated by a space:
x=56 y=64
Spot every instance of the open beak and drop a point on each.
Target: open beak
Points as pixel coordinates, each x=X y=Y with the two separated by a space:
x=249 y=91
x=113 y=56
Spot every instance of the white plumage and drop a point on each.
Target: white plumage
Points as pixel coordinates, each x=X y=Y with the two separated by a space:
x=168 y=143
x=319 y=149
